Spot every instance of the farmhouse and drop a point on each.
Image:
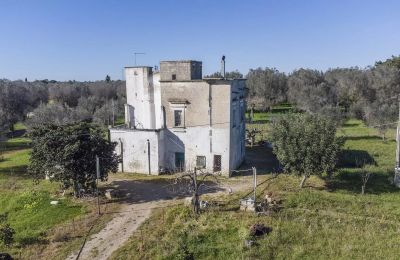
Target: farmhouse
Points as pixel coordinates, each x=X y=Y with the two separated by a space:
x=175 y=120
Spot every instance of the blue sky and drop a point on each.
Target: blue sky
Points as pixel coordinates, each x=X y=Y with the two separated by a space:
x=86 y=40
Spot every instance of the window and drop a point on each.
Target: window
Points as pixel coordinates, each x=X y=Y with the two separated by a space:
x=173 y=76
x=201 y=162
x=178 y=118
x=217 y=163
x=180 y=161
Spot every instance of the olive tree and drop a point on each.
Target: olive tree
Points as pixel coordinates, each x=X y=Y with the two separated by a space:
x=67 y=154
x=306 y=144
x=309 y=91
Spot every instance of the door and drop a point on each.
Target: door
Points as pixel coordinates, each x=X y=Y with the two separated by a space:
x=180 y=161
x=217 y=163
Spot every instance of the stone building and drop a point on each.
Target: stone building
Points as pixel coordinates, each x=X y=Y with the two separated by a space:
x=175 y=119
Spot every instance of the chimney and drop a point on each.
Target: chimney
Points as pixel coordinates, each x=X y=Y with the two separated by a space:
x=223 y=66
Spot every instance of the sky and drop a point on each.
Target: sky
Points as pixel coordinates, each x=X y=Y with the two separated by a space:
x=87 y=39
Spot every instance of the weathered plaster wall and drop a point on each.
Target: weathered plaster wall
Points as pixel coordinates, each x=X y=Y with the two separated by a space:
x=183 y=70
x=141 y=95
x=196 y=93
x=203 y=135
x=238 y=124
x=135 y=149
x=208 y=119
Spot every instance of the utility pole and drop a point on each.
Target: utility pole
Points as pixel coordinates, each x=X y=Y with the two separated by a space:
x=113 y=114
x=254 y=183
x=138 y=53
x=148 y=155
x=397 y=168
x=97 y=183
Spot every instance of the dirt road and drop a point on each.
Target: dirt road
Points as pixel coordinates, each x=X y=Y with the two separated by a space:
x=141 y=197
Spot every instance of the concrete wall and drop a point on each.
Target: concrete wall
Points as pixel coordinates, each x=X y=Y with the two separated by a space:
x=159 y=118
x=142 y=97
x=238 y=124
x=183 y=70
x=206 y=131
x=197 y=96
x=210 y=125
x=135 y=149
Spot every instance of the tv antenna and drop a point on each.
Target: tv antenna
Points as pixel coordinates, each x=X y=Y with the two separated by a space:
x=138 y=53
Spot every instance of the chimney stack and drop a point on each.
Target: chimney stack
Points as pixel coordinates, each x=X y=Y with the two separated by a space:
x=223 y=66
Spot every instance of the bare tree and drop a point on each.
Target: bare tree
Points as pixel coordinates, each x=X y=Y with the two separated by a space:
x=251 y=135
x=196 y=182
x=364 y=174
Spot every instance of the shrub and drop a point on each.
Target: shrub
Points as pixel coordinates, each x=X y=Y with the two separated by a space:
x=306 y=144
x=6 y=231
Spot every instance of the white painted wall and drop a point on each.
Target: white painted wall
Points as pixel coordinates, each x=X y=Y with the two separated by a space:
x=143 y=97
x=158 y=115
x=135 y=149
x=144 y=110
x=195 y=141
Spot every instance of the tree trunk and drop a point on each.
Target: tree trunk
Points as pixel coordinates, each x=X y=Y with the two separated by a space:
x=196 y=204
x=76 y=190
x=303 y=181
x=362 y=189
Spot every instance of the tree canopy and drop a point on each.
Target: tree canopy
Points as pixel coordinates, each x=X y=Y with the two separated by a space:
x=306 y=144
x=67 y=154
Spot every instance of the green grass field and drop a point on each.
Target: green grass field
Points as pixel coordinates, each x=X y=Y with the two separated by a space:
x=328 y=219
x=27 y=203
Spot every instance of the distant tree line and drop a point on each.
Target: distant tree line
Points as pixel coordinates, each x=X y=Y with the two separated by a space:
x=370 y=94
x=44 y=102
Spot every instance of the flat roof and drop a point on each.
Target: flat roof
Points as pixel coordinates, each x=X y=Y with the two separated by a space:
x=179 y=61
x=214 y=80
x=132 y=67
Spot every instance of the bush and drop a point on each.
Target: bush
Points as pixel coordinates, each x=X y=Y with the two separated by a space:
x=306 y=144
x=6 y=232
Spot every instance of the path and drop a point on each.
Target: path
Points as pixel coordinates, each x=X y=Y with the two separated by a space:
x=141 y=197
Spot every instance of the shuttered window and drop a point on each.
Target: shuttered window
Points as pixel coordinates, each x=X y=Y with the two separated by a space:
x=201 y=162
x=217 y=163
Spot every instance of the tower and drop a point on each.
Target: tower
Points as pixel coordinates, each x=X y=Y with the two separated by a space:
x=140 y=110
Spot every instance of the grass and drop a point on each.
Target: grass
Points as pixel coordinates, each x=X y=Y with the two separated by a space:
x=35 y=221
x=328 y=219
x=26 y=203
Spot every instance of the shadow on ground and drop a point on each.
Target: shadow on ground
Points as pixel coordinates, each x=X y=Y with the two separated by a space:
x=371 y=138
x=355 y=159
x=16 y=133
x=140 y=191
x=350 y=180
x=16 y=171
x=261 y=157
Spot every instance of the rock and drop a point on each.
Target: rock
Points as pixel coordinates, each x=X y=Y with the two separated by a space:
x=268 y=197
x=257 y=230
x=247 y=205
x=204 y=204
x=188 y=201
x=54 y=202
x=249 y=242
x=112 y=194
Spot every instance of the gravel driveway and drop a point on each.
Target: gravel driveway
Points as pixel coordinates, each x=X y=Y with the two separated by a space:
x=141 y=197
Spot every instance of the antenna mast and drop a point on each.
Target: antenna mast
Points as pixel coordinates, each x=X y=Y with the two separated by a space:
x=137 y=53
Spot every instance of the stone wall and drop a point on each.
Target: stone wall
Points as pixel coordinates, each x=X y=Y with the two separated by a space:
x=183 y=70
